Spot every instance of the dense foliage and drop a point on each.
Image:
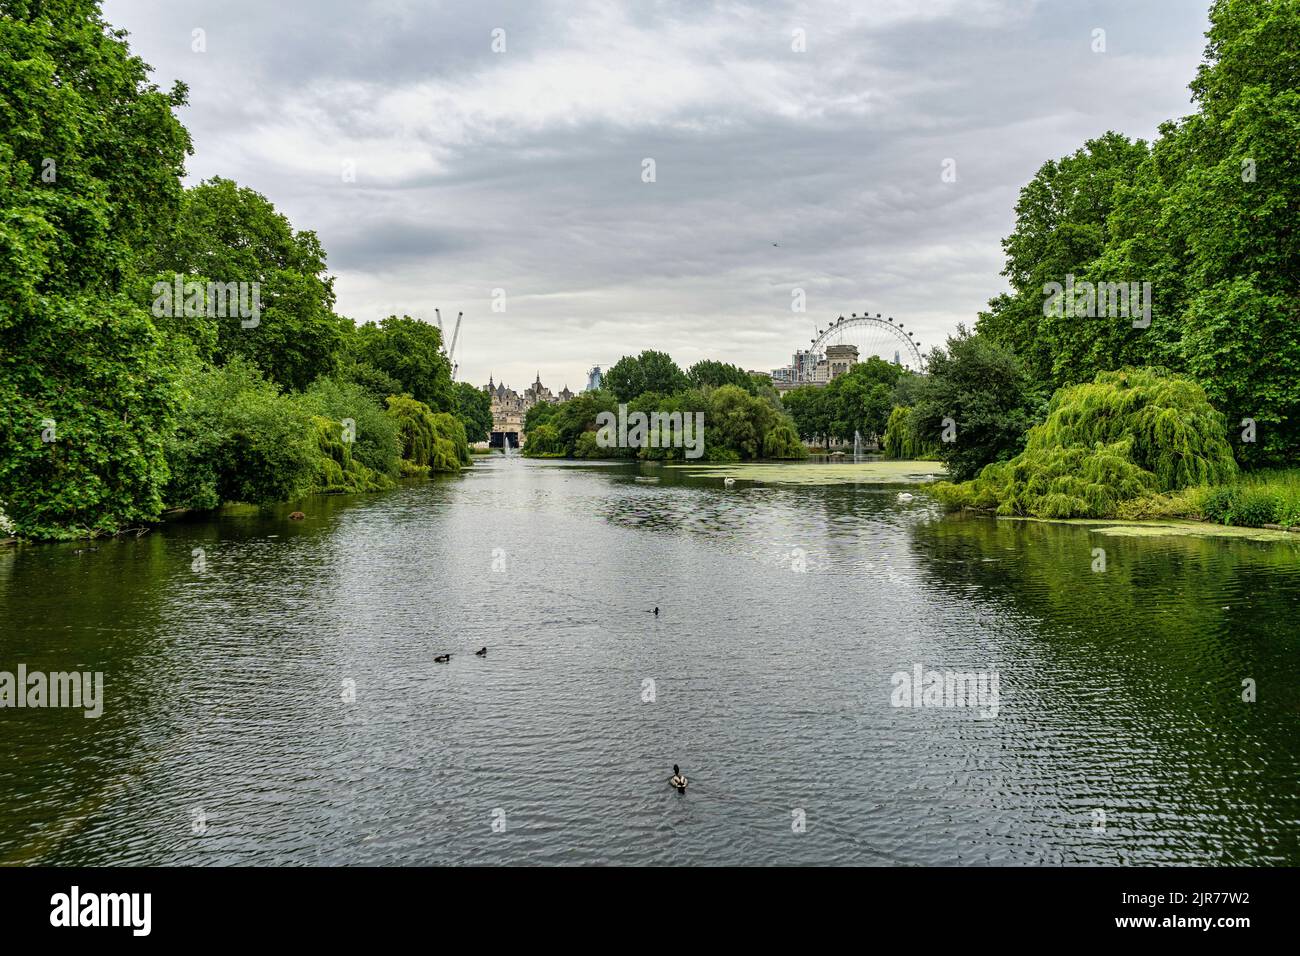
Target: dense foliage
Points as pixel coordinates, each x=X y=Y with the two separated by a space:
x=975 y=406
x=90 y=164
x=229 y=233
x=857 y=403
x=1129 y=434
x=741 y=420
x=118 y=397
x=903 y=436
x=238 y=439
x=632 y=376
x=474 y=408
x=430 y=441
x=710 y=373
x=410 y=352
x=1206 y=215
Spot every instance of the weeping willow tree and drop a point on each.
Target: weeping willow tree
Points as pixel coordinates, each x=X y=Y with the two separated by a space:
x=338 y=471
x=903 y=437
x=1128 y=434
x=431 y=441
x=782 y=441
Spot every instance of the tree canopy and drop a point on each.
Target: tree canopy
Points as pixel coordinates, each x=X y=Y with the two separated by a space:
x=1206 y=215
x=228 y=233
x=410 y=352
x=1129 y=434
x=91 y=157
x=650 y=371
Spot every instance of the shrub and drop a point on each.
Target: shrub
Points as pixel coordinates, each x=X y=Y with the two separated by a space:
x=238 y=439
x=585 y=446
x=374 y=433
x=544 y=441
x=87 y=399
x=781 y=441
x=1255 y=506
x=1129 y=434
x=1176 y=433
x=986 y=392
x=903 y=438
x=1256 y=498
x=338 y=469
x=433 y=440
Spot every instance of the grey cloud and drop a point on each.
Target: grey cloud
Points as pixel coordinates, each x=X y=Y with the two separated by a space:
x=522 y=171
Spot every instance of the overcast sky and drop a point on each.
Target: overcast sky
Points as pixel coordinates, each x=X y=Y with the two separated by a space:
x=521 y=170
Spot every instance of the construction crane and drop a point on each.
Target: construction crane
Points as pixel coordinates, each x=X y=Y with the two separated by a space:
x=455 y=335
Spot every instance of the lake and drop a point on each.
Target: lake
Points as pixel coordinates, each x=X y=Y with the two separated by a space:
x=271 y=695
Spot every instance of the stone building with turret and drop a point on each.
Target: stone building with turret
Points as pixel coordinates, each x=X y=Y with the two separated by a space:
x=509 y=408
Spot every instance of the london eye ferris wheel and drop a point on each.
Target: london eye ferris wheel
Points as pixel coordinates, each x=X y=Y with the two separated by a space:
x=872 y=335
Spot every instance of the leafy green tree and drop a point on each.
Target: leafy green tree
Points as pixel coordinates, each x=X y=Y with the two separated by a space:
x=226 y=234
x=978 y=404
x=1235 y=205
x=712 y=374
x=363 y=423
x=544 y=441
x=578 y=415
x=903 y=437
x=474 y=408
x=648 y=372
x=908 y=389
x=239 y=439
x=1128 y=435
x=378 y=384
x=430 y=441
x=91 y=156
x=749 y=426
x=810 y=408
x=860 y=400
x=1061 y=228
x=410 y=351
x=1206 y=217
x=539 y=414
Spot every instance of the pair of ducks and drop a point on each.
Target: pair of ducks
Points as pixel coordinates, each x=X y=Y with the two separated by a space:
x=444 y=658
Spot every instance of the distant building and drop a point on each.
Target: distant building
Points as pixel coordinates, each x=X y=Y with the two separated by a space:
x=537 y=392
x=509 y=408
x=840 y=358
x=593 y=378
x=814 y=368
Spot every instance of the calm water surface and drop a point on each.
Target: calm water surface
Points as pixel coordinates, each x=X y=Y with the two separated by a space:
x=1120 y=692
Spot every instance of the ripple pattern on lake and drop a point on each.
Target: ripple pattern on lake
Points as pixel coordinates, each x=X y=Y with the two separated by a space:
x=1120 y=691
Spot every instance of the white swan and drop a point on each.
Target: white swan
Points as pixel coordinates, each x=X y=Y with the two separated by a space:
x=904 y=496
x=728 y=481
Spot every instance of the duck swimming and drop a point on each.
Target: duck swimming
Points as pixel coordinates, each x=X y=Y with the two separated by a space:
x=442 y=659
x=678 y=780
x=481 y=652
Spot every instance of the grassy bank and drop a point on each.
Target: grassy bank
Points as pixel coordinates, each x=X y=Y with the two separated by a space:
x=1260 y=499
x=1253 y=500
